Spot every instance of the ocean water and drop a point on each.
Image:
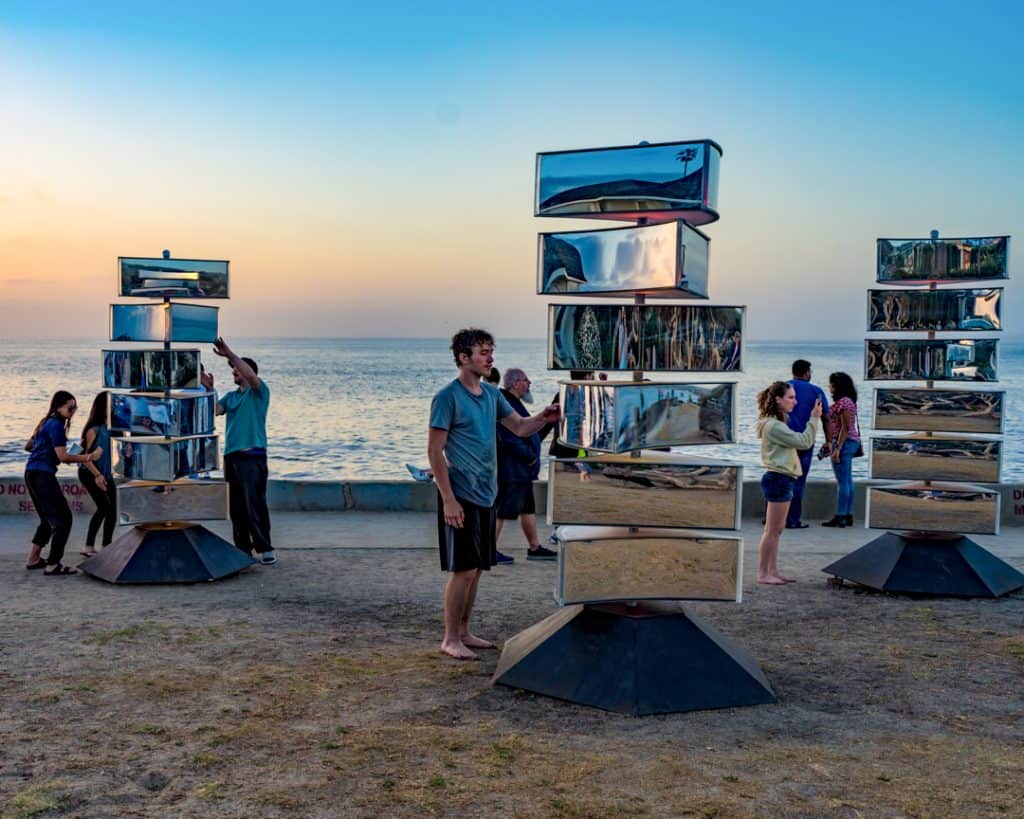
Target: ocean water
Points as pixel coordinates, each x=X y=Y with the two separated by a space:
x=357 y=408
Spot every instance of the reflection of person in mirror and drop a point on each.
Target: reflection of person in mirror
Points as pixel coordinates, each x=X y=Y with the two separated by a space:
x=779 y=446
x=245 y=453
x=47 y=449
x=97 y=477
x=806 y=394
x=462 y=447
x=518 y=468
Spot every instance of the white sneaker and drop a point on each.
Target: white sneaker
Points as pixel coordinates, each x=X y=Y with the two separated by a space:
x=268 y=558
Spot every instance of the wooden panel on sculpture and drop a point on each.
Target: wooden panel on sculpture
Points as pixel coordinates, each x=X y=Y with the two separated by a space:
x=935 y=310
x=623 y=416
x=922 y=261
x=650 y=337
x=151 y=369
x=939 y=410
x=661 y=182
x=934 y=507
x=164 y=459
x=163 y=322
x=659 y=490
x=668 y=260
x=177 y=415
x=602 y=564
x=933 y=360
x=936 y=458
x=152 y=502
x=175 y=278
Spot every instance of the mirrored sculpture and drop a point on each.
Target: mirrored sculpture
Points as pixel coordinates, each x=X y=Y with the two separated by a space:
x=674 y=180
x=175 y=278
x=936 y=458
x=932 y=360
x=668 y=260
x=659 y=338
x=163 y=322
x=605 y=564
x=151 y=369
x=622 y=416
x=153 y=502
x=174 y=415
x=951 y=310
x=939 y=410
x=164 y=459
x=920 y=261
x=934 y=507
x=660 y=490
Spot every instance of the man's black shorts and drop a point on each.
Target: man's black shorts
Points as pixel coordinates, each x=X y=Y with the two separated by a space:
x=474 y=546
x=515 y=499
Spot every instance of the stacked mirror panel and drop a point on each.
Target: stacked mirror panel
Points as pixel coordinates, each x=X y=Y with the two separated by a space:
x=943 y=440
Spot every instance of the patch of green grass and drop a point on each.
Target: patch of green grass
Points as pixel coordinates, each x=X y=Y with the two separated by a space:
x=388 y=784
x=34 y=800
x=1015 y=648
x=438 y=782
x=205 y=758
x=331 y=746
x=211 y=791
x=118 y=635
x=731 y=778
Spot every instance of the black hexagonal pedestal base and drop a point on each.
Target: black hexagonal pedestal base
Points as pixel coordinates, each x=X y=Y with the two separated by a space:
x=643 y=659
x=167 y=553
x=950 y=567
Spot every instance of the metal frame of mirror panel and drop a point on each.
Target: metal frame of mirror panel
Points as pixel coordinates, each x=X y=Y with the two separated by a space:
x=573 y=184
x=933 y=410
x=144 y=277
x=937 y=507
x=941 y=260
x=659 y=490
x=665 y=260
x=656 y=338
x=933 y=360
x=902 y=311
x=923 y=457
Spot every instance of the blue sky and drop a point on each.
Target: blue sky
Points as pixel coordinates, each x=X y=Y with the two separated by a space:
x=369 y=168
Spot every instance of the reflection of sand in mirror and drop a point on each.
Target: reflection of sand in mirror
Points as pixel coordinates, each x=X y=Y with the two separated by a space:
x=923 y=466
x=938 y=411
x=890 y=510
x=650 y=568
x=936 y=423
x=614 y=501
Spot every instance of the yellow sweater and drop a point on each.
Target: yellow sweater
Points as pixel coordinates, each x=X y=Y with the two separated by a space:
x=779 y=444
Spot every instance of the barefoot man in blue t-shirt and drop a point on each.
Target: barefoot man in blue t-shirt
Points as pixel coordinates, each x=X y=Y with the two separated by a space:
x=463 y=456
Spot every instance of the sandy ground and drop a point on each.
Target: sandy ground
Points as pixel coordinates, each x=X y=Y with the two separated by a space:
x=314 y=688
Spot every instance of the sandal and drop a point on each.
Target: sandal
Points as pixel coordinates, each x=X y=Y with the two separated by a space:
x=39 y=564
x=60 y=571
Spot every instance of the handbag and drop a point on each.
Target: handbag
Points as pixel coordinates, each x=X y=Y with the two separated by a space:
x=860 y=451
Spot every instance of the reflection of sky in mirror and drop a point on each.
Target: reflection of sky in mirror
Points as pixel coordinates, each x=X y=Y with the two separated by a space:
x=193 y=322
x=628 y=259
x=559 y=172
x=137 y=322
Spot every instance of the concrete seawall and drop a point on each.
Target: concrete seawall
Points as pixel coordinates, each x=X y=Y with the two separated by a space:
x=409 y=496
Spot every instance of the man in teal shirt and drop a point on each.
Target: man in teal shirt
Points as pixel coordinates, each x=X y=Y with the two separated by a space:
x=245 y=453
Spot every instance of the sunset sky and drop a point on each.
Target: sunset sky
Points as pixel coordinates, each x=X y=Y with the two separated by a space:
x=368 y=168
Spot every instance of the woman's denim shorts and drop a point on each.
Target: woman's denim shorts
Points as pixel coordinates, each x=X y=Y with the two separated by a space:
x=776 y=487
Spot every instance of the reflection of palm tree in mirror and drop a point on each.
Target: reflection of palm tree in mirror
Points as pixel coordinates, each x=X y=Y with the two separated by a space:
x=686 y=156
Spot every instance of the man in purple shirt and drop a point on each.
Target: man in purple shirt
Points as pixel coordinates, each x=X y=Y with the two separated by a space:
x=806 y=394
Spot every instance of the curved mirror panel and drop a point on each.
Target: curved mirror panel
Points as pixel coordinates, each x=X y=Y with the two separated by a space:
x=937 y=310
x=938 y=360
x=939 y=410
x=174 y=416
x=667 y=338
x=924 y=458
x=675 y=180
x=162 y=459
x=163 y=322
x=942 y=260
x=151 y=369
x=177 y=278
x=971 y=510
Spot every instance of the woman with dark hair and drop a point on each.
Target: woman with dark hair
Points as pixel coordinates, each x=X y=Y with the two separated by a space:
x=779 y=445
x=48 y=449
x=843 y=442
x=97 y=478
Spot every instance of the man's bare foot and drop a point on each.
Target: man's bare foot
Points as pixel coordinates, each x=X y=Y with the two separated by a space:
x=787 y=579
x=458 y=651
x=771 y=580
x=472 y=641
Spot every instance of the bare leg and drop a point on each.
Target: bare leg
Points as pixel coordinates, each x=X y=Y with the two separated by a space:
x=497 y=529
x=768 y=549
x=456 y=592
x=528 y=523
x=469 y=639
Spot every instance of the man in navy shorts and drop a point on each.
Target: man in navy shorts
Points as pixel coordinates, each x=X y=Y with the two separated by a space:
x=463 y=456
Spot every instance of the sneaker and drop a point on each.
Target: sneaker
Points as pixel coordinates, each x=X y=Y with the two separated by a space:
x=268 y=558
x=504 y=558
x=540 y=553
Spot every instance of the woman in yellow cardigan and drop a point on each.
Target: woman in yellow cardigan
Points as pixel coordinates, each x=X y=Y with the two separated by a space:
x=779 y=445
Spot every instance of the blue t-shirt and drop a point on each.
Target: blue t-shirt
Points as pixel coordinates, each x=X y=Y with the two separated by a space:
x=246 y=410
x=43 y=457
x=471 y=450
x=806 y=394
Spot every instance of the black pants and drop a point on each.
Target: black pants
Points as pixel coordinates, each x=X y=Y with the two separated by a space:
x=246 y=474
x=106 y=508
x=53 y=510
